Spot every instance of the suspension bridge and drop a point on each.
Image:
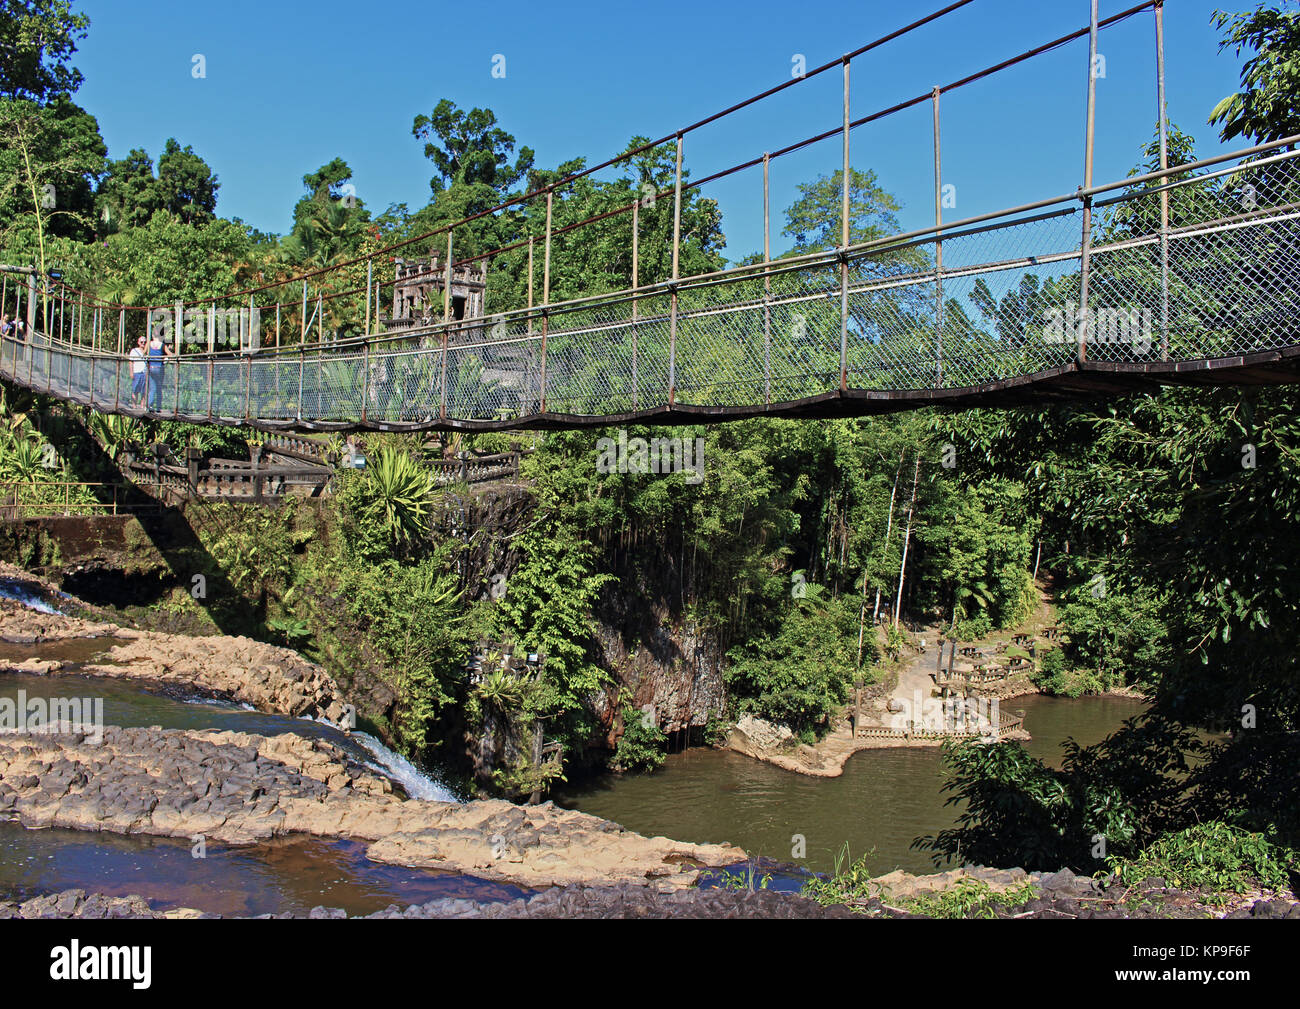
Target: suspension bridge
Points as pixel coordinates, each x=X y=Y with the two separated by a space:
x=1183 y=275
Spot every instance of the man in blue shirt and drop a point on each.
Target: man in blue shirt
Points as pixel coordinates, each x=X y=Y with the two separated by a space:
x=158 y=354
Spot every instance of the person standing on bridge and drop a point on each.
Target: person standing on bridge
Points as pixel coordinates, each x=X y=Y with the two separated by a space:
x=138 y=380
x=158 y=354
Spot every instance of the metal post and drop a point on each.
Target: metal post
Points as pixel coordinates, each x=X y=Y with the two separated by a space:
x=320 y=354
x=446 y=294
x=1164 y=192
x=546 y=295
x=1086 y=255
x=844 y=245
x=370 y=266
x=365 y=378
x=677 y=244
x=176 y=385
x=938 y=248
x=304 y=312
x=276 y=357
x=767 y=289
x=302 y=366
x=636 y=280
x=446 y=315
x=530 y=283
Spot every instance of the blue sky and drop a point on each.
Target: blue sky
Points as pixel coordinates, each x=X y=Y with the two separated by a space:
x=289 y=86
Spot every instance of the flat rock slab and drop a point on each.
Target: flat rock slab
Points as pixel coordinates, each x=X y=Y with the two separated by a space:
x=241 y=788
x=271 y=679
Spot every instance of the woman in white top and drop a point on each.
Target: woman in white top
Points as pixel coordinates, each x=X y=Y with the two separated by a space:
x=139 y=383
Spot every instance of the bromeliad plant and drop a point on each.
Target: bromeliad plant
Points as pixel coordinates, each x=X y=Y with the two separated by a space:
x=397 y=497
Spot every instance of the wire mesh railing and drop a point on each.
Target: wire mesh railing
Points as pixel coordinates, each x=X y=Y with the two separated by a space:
x=1198 y=262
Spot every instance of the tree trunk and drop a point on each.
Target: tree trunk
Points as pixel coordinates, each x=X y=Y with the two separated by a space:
x=889 y=527
x=907 y=538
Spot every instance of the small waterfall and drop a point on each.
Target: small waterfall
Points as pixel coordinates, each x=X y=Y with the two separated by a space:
x=417 y=784
x=13 y=590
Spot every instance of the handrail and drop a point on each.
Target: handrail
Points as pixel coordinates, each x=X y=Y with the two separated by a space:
x=762 y=270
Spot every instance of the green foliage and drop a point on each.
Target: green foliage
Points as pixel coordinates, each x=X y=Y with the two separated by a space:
x=129 y=195
x=1055 y=677
x=410 y=615
x=289 y=632
x=813 y=220
x=1266 y=107
x=850 y=882
x=748 y=879
x=1017 y=811
x=115 y=431
x=253 y=547
x=389 y=507
x=500 y=692
x=1216 y=856
x=980 y=550
x=641 y=746
x=38 y=38
x=56 y=145
x=894 y=642
x=329 y=224
x=468 y=148
x=799 y=672
x=547 y=610
x=1120 y=635
x=970 y=898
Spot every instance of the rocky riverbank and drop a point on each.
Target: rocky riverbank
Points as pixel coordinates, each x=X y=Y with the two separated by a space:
x=238 y=788
x=1061 y=896
x=271 y=679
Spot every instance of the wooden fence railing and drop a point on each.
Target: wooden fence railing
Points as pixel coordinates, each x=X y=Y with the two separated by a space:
x=476 y=469
x=1007 y=723
x=121 y=498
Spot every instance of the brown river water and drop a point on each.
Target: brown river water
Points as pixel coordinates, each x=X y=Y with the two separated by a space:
x=884 y=799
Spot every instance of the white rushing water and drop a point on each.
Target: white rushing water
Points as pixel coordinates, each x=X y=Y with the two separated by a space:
x=11 y=590
x=418 y=784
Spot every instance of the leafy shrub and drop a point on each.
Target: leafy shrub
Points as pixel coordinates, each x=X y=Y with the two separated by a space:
x=849 y=882
x=410 y=615
x=969 y=898
x=802 y=672
x=973 y=628
x=387 y=509
x=1218 y=856
x=1130 y=788
x=1118 y=634
x=1054 y=677
x=641 y=746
